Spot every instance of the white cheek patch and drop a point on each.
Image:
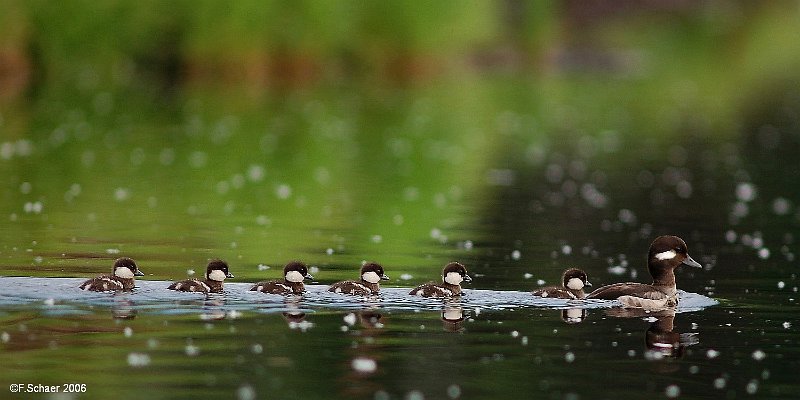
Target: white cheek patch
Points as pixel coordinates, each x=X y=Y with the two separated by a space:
x=123 y=273
x=371 y=277
x=294 y=276
x=666 y=255
x=216 y=275
x=453 y=278
x=575 y=284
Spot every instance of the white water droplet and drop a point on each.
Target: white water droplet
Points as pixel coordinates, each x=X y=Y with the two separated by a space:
x=752 y=387
x=617 y=270
x=138 y=359
x=745 y=192
x=720 y=383
x=192 y=350
x=350 y=319
x=255 y=172
x=730 y=236
x=672 y=391
x=245 y=392
x=364 y=365
x=122 y=194
x=454 y=391
x=283 y=191
x=781 y=206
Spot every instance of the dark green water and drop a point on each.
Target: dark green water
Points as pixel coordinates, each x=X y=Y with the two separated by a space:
x=411 y=178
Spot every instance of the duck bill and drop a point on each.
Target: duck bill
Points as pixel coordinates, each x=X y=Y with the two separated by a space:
x=309 y=277
x=138 y=273
x=467 y=278
x=229 y=275
x=691 y=262
x=588 y=284
x=384 y=277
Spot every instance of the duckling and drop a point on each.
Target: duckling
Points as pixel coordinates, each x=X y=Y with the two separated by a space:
x=216 y=272
x=293 y=275
x=573 y=281
x=452 y=275
x=371 y=275
x=122 y=278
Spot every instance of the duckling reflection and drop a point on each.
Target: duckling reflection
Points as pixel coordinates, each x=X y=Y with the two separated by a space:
x=370 y=319
x=294 y=316
x=123 y=308
x=213 y=307
x=366 y=353
x=574 y=315
x=453 y=316
x=660 y=338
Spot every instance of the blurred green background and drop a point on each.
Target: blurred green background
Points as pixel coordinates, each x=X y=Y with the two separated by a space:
x=342 y=131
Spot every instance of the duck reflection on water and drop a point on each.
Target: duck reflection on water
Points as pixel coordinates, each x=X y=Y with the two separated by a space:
x=574 y=315
x=661 y=340
x=453 y=316
x=295 y=317
x=123 y=308
x=213 y=307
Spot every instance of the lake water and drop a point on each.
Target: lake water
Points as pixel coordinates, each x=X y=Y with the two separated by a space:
x=411 y=178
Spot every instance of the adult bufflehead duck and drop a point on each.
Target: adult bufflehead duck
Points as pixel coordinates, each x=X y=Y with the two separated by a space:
x=371 y=274
x=293 y=275
x=573 y=281
x=122 y=278
x=216 y=272
x=452 y=275
x=666 y=254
